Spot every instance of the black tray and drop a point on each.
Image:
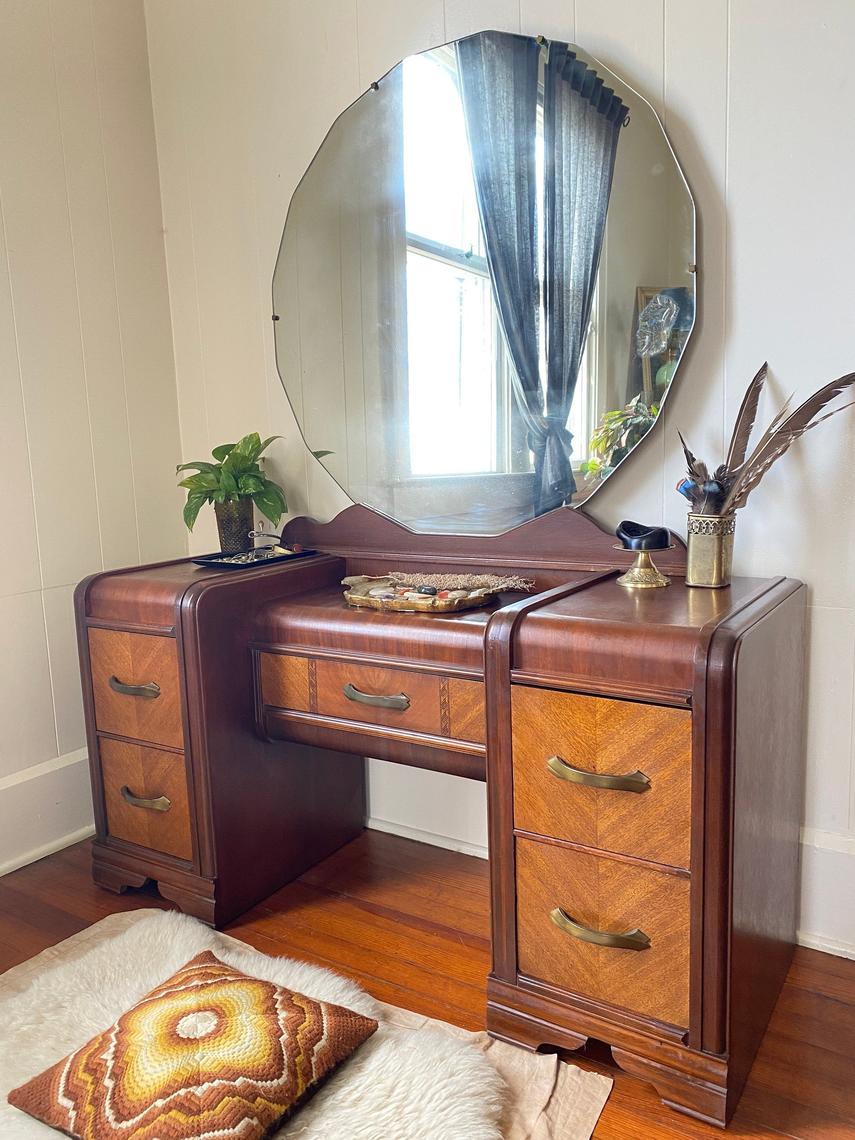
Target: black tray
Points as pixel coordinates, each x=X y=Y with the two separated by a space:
x=220 y=559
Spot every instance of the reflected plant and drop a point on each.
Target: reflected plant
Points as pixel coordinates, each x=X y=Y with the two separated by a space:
x=616 y=435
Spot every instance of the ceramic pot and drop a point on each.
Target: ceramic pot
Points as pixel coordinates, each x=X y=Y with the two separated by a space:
x=710 y=553
x=234 y=522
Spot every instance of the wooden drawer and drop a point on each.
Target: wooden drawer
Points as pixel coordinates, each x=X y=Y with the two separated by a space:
x=603 y=737
x=136 y=659
x=132 y=772
x=450 y=707
x=607 y=895
x=419 y=691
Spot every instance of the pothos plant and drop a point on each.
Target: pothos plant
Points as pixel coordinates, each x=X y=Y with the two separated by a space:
x=616 y=435
x=235 y=475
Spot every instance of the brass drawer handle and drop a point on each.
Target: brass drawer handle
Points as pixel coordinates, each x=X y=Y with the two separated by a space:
x=150 y=690
x=399 y=701
x=629 y=940
x=159 y=803
x=630 y=782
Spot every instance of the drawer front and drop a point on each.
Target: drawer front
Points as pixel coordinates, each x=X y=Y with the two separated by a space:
x=136 y=661
x=561 y=738
x=145 y=792
x=285 y=681
x=410 y=700
x=612 y=896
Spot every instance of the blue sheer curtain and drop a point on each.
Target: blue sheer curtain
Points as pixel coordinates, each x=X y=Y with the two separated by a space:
x=582 y=119
x=499 y=76
x=499 y=85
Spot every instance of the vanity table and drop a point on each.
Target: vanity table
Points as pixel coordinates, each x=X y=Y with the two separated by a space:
x=642 y=748
x=642 y=751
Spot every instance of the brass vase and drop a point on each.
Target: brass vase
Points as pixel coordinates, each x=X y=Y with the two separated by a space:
x=234 y=522
x=710 y=553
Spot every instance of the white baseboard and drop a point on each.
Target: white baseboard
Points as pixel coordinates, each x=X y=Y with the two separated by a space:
x=827 y=945
x=429 y=837
x=45 y=808
x=46 y=849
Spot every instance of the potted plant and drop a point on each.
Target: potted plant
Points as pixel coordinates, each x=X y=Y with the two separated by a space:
x=233 y=484
x=617 y=434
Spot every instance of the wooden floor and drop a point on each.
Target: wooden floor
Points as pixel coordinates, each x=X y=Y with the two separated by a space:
x=410 y=923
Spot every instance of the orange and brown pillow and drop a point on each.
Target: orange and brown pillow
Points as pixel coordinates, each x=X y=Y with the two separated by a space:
x=209 y=1052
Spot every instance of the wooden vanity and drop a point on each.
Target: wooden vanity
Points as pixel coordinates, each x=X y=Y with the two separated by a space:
x=642 y=751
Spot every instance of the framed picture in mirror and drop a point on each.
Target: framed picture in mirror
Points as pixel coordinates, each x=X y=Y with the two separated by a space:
x=663 y=320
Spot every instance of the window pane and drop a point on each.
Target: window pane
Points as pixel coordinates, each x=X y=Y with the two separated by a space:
x=438 y=180
x=452 y=420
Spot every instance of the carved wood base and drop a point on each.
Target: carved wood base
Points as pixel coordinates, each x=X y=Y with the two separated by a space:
x=691 y=1082
x=118 y=871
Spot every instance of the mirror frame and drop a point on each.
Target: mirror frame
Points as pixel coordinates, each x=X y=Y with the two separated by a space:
x=692 y=268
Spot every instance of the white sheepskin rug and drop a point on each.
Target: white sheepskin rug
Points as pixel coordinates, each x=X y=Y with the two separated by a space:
x=399 y=1085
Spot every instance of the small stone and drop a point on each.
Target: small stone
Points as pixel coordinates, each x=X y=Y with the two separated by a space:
x=443 y=594
x=427 y=590
x=454 y=594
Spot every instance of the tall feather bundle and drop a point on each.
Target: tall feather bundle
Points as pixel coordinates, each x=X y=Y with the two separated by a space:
x=728 y=488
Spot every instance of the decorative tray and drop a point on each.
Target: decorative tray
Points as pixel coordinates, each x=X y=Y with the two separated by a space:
x=428 y=593
x=248 y=559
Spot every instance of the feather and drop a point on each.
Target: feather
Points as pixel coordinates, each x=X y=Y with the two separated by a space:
x=780 y=435
x=697 y=468
x=745 y=420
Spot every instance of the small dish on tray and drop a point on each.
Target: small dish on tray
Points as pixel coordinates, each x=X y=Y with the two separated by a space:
x=250 y=559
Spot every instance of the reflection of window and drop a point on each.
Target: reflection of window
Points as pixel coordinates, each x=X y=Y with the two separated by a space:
x=462 y=415
x=458 y=385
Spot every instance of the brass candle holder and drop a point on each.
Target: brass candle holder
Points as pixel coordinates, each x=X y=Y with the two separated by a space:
x=643 y=574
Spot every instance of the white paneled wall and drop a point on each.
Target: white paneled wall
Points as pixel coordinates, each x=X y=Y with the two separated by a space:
x=757 y=99
x=88 y=419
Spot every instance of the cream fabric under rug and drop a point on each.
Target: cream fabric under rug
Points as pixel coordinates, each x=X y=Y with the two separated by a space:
x=415 y=1079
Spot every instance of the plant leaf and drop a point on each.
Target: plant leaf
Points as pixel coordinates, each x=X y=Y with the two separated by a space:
x=195 y=501
x=270 y=500
x=228 y=481
x=221 y=452
x=267 y=442
x=203 y=481
x=243 y=454
x=198 y=466
x=321 y=454
x=250 y=483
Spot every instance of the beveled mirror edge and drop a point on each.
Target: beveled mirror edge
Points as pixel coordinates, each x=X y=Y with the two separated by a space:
x=692 y=268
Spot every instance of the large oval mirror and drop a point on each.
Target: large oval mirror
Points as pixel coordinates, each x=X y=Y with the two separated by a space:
x=485 y=284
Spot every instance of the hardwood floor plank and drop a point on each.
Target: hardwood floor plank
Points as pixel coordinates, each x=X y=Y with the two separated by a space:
x=410 y=923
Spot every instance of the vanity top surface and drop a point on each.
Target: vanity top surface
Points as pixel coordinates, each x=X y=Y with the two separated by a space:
x=647 y=638
x=321 y=620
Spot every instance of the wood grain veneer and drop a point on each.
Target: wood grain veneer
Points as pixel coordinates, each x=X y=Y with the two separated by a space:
x=147 y=773
x=285 y=681
x=136 y=659
x=605 y=737
x=466 y=710
x=421 y=689
x=611 y=896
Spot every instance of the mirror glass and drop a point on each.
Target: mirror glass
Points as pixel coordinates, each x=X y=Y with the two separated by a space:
x=485 y=284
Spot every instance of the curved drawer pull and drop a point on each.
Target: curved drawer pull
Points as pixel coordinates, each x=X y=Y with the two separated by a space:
x=630 y=782
x=159 y=803
x=150 y=690
x=629 y=940
x=399 y=701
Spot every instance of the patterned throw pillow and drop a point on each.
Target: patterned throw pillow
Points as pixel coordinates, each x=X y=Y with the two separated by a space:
x=211 y=1052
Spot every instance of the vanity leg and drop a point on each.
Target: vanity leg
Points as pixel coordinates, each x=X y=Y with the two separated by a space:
x=705 y=1100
